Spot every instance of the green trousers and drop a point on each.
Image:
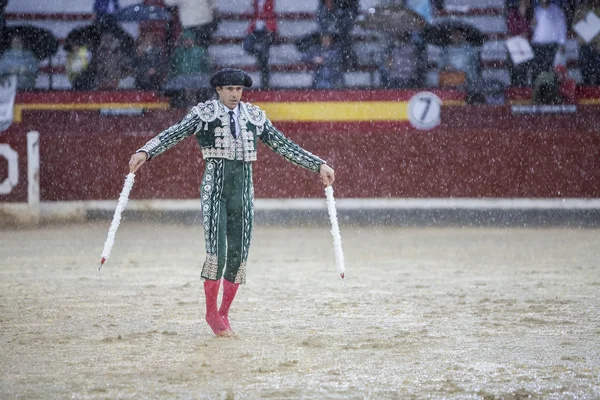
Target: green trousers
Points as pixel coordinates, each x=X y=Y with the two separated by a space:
x=227 y=198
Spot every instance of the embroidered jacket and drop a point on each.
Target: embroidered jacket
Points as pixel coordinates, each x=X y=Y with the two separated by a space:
x=209 y=122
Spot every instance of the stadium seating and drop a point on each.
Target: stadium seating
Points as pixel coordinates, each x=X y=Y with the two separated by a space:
x=295 y=19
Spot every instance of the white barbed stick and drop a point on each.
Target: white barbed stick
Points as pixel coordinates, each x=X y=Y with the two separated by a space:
x=114 y=225
x=335 y=231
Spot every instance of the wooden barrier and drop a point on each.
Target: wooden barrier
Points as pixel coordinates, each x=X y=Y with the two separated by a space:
x=477 y=151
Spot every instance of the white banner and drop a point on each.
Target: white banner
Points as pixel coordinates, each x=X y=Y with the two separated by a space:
x=519 y=49
x=8 y=91
x=588 y=27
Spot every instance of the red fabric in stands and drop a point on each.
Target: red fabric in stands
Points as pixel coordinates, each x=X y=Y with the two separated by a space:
x=267 y=14
x=518 y=24
x=165 y=34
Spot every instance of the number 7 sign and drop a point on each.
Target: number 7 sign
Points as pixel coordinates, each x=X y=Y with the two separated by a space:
x=424 y=110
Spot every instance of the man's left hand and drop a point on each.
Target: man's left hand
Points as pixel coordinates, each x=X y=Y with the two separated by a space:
x=327 y=174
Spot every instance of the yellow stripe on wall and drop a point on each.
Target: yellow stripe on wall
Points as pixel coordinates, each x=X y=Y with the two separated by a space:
x=588 y=102
x=337 y=111
x=276 y=111
x=18 y=112
x=281 y=111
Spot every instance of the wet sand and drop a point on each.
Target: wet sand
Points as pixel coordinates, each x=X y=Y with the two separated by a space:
x=454 y=313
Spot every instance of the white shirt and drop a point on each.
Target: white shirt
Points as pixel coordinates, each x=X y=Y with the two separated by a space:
x=194 y=12
x=551 y=25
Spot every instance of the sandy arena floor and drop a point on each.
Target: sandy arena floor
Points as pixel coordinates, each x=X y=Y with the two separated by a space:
x=425 y=313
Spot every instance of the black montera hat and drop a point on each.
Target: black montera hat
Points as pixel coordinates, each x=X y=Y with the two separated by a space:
x=229 y=77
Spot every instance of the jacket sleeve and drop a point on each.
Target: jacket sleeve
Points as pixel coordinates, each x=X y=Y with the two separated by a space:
x=172 y=135
x=288 y=149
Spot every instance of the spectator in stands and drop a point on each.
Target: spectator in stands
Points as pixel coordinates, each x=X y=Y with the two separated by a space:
x=78 y=61
x=549 y=36
x=104 y=7
x=20 y=61
x=199 y=17
x=460 y=56
x=568 y=7
x=3 y=4
x=261 y=34
x=327 y=62
x=554 y=87
x=189 y=58
x=405 y=48
x=112 y=62
x=589 y=53
x=338 y=16
x=148 y=64
x=518 y=20
x=190 y=71
x=82 y=41
x=401 y=67
x=326 y=15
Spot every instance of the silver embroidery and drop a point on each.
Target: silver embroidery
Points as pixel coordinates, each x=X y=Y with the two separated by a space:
x=207 y=111
x=254 y=114
x=211 y=152
x=210 y=268
x=150 y=145
x=240 y=277
x=212 y=186
x=226 y=146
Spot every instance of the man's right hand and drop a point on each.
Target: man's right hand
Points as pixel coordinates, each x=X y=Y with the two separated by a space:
x=137 y=160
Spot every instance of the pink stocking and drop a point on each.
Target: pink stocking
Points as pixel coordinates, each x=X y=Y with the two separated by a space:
x=211 y=291
x=229 y=291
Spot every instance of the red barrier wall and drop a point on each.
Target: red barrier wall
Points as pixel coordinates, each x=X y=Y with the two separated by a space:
x=477 y=151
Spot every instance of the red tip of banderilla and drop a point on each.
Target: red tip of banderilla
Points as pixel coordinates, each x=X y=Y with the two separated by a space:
x=342 y=275
x=101 y=263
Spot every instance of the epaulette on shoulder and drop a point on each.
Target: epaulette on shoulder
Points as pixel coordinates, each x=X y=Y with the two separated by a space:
x=255 y=115
x=207 y=111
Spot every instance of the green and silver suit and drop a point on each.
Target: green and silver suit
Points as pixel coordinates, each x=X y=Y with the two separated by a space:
x=227 y=192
